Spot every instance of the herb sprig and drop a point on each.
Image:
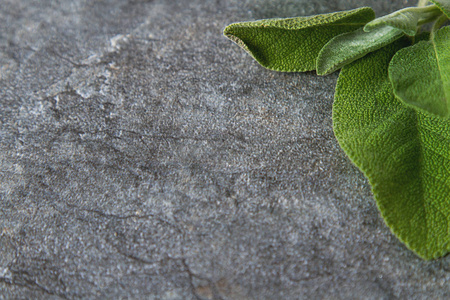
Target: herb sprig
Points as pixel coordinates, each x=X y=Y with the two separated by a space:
x=391 y=113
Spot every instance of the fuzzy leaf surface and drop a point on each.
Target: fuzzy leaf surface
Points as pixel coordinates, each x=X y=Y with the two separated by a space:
x=292 y=44
x=404 y=153
x=420 y=74
x=348 y=47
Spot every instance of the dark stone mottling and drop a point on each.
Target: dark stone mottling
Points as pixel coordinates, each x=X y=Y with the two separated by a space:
x=143 y=155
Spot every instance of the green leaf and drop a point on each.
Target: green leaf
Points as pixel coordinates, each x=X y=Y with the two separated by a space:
x=407 y=19
x=348 y=47
x=444 y=6
x=292 y=44
x=420 y=74
x=404 y=153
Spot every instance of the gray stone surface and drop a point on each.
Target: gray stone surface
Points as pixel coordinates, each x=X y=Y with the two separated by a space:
x=143 y=155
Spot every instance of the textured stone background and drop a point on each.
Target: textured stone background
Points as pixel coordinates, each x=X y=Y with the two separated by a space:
x=143 y=155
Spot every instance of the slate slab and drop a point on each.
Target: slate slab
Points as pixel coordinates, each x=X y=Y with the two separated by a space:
x=143 y=155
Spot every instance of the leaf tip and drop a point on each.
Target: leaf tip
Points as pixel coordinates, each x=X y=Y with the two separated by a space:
x=230 y=33
x=368 y=27
x=322 y=69
x=228 y=30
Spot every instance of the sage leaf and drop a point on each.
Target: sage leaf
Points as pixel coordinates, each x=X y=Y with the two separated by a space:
x=444 y=6
x=407 y=19
x=420 y=74
x=348 y=47
x=292 y=44
x=404 y=153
